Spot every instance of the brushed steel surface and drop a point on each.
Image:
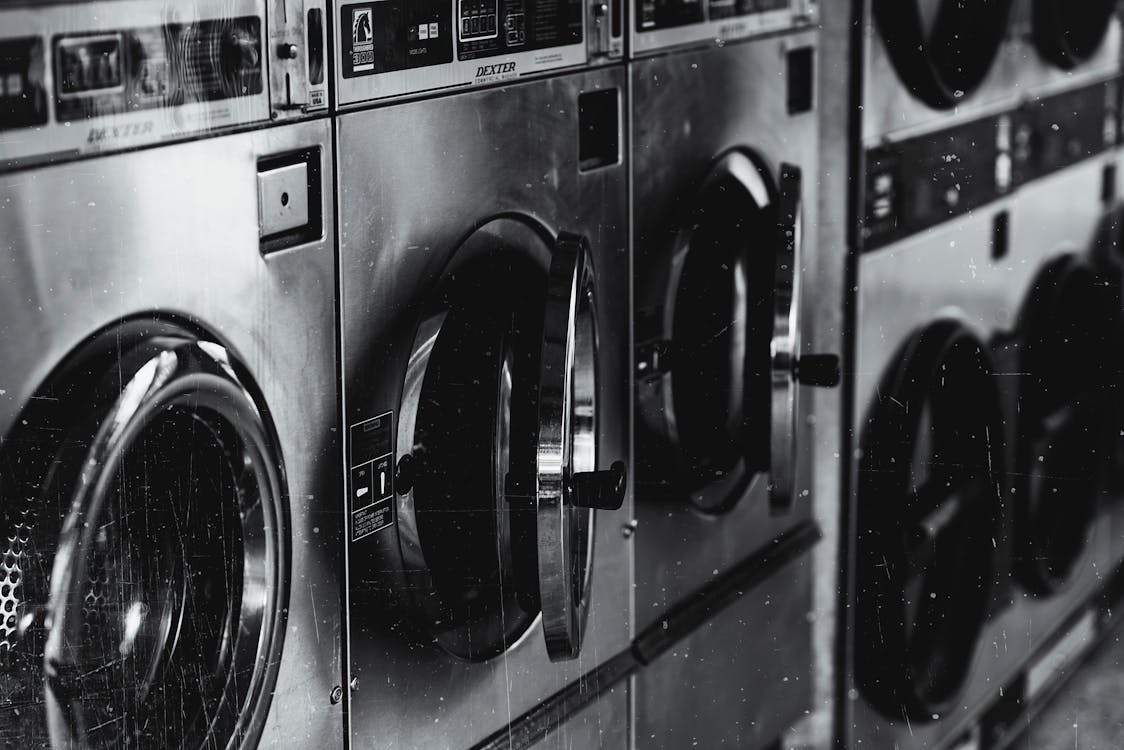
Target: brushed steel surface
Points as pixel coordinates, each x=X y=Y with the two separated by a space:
x=824 y=274
x=642 y=42
x=602 y=724
x=687 y=110
x=685 y=114
x=948 y=271
x=174 y=230
x=415 y=180
x=737 y=682
x=1018 y=74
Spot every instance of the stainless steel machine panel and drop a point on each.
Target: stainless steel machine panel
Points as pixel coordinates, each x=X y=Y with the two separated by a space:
x=740 y=680
x=659 y=25
x=385 y=50
x=164 y=245
x=693 y=91
x=604 y=723
x=717 y=159
x=86 y=78
x=452 y=632
x=1018 y=72
x=950 y=273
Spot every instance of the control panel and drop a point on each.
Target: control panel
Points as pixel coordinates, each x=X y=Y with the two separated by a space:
x=86 y=78
x=914 y=184
x=396 y=48
x=662 y=24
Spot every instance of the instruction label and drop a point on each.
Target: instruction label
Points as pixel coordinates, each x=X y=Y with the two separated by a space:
x=371 y=480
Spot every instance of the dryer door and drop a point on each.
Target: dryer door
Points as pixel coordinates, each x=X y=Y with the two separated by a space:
x=568 y=486
x=1067 y=34
x=499 y=417
x=928 y=511
x=942 y=49
x=144 y=581
x=1067 y=330
x=719 y=382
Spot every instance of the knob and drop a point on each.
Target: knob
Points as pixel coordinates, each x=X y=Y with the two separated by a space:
x=820 y=370
x=601 y=490
x=287 y=51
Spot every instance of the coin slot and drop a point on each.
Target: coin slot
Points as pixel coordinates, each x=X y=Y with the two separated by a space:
x=599 y=129
x=801 y=64
x=315 y=47
x=1000 y=235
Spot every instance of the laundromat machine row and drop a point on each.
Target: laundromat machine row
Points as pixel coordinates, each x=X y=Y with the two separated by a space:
x=536 y=374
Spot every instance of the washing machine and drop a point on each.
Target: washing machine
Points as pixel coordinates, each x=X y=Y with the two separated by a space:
x=976 y=528
x=484 y=305
x=169 y=515
x=391 y=49
x=724 y=153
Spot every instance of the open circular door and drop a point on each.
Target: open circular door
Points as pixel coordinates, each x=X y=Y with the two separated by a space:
x=928 y=513
x=723 y=391
x=499 y=430
x=1068 y=325
x=942 y=49
x=145 y=576
x=1068 y=34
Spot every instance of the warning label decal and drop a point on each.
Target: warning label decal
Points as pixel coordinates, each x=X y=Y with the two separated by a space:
x=371 y=477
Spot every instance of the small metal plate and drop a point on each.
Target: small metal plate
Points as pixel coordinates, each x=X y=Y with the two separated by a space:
x=282 y=199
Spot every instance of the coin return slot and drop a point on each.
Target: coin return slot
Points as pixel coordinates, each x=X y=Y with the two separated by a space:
x=289 y=200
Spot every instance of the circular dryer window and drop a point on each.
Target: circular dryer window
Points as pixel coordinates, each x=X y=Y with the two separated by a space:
x=942 y=49
x=1068 y=34
x=499 y=412
x=928 y=514
x=1067 y=325
x=146 y=562
x=730 y=301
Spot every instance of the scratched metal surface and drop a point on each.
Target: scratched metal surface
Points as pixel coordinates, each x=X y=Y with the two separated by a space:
x=174 y=230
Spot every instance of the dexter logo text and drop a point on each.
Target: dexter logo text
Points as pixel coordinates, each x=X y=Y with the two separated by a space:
x=495 y=70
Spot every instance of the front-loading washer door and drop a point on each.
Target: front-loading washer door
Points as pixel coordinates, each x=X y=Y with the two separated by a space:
x=929 y=507
x=942 y=49
x=719 y=381
x=1067 y=34
x=1067 y=329
x=499 y=418
x=142 y=588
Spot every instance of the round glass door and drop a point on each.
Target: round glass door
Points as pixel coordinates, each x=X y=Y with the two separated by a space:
x=1068 y=34
x=928 y=510
x=942 y=49
x=499 y=429
x=716 y=399
x=1068 y=325
x=144 y=581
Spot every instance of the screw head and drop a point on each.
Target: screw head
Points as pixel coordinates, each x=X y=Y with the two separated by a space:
x=337 y=695
x=354 y=684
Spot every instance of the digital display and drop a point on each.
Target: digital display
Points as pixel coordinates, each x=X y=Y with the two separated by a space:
x=89 y=64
